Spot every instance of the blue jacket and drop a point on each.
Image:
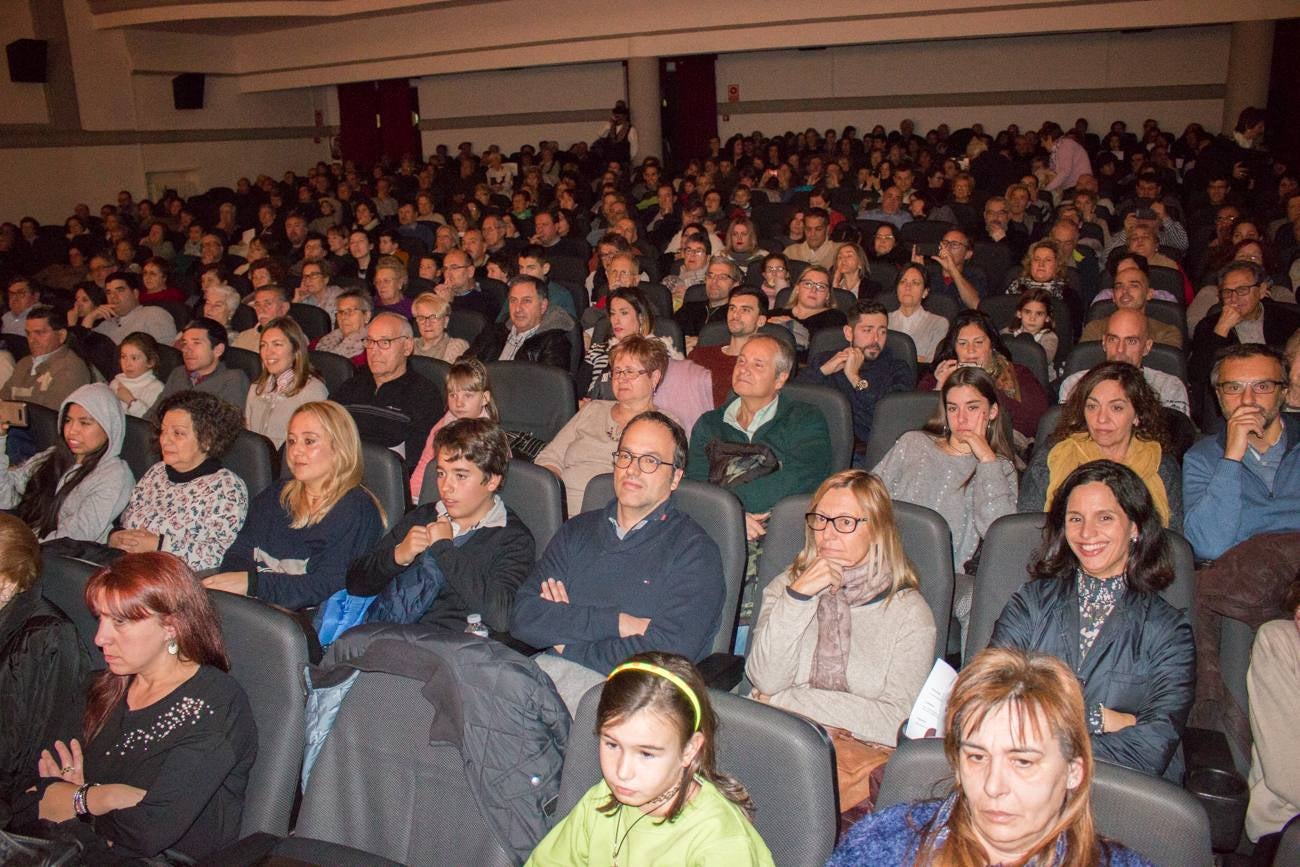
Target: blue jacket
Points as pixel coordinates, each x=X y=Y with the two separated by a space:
x=893 y=836
x=669 y=571
x=1224 y=503
x=885 y=375
x=1143 y=662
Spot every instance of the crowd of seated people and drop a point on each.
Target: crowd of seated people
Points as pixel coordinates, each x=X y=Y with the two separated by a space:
x=1140 y=286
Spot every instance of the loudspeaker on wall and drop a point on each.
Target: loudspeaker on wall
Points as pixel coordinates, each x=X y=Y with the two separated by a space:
x=187 y=91
x=27 y=60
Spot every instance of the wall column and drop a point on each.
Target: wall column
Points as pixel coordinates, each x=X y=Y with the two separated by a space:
x=1250 y=57
x=643 y=100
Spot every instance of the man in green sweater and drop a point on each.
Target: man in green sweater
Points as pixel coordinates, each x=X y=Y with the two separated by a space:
x=794 y=432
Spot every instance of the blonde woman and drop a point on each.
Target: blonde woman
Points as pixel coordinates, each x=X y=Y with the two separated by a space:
x=287 y=382
x=301 y=533
x=431 y=314
x=469 y=395
x=844 y=636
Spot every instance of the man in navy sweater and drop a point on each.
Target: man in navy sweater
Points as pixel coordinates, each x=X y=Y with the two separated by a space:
x=636 y=575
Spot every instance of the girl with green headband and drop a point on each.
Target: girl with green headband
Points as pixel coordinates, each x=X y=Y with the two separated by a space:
x=662 y=799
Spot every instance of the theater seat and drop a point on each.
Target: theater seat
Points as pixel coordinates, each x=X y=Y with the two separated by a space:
x=252 y=457
x=334 y=369
x=169 y=358
x=268 y=651
x=245 y=360
x=835 y=408
x=385 y=477
x=138 y=448
x=927 y=543
x=1155 y=817
x=1166 y=359
x=466 y=324
x=63 y=582
x=786 y=763
x=1026 y=351
x=900 y=346
x=532 y=397
x=896 y=414
x=433 y=369
x=42 y=425
x=714 y=334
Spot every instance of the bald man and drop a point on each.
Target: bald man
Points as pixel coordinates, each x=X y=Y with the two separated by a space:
x=1127 y=338
x=1132 y=291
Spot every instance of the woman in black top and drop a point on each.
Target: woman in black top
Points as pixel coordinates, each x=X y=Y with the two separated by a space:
x=170 y=735
x=811 y=307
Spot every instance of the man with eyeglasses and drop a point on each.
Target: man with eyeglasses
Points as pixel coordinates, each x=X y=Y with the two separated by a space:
x=634 y=575
x=462 y=289
x=1127 y=338
x=815 y=248
x=1000 y=231
x=1246 y=480
x=269 y=302
x=393 y=405
x=951 y=273
x=721 y=275
x=23 y=296
x=1244 y=315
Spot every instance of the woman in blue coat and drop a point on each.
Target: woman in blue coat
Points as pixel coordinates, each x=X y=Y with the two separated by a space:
x=1094 y=603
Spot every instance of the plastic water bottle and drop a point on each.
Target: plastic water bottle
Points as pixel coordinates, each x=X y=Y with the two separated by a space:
x=474 y=626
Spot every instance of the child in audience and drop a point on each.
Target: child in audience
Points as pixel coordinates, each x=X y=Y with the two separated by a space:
x=655 y=734
x=1034 y=317
x=136 y=387
x=469 y=395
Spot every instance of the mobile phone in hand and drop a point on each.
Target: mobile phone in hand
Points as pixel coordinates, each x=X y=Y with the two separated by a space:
x=13 y=413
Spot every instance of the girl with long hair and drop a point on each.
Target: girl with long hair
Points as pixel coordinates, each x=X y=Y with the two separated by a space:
x=469 y=395
x=663 y=799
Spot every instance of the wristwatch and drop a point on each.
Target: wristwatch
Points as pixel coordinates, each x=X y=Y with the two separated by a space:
x=861 y=385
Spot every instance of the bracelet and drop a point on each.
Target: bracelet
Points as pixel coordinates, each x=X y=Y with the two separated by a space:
x=79 y=805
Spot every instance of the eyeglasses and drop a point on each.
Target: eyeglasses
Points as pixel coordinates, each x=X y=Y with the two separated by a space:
x=626 y=373
x=820 y=287
x=311 y=275
x=1259 y=386
x=720 y=276
x=952 y=245
x=348 y=311
x=647 y=464
x=381 y=342
x=1238 y=291
x=694 y=251
x=778 y=269
x=844 y=524
x=425 y=320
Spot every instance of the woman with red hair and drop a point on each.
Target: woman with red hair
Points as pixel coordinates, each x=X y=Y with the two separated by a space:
x=170 y=738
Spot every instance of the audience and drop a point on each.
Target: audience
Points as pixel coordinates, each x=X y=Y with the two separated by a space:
x=1244 y=480
x=844 y=636
x=1094 y=603
x=77 y=487
x=746 y=314
x=760 y=446
x=42 y=670
x=1127 y=339
x=1113 y=415
x=288 y=381
x=187 y=504
x=1273 y=682
x=124 y=314
x=203 y=344
x=656 y=729
x=136 y=387
x=1005 y=807
x=634 y=575
x=926 y=329
x=466 y=548
x=865 y=370
x=302 y=532
x=431 y=314
x=352 y=313
x=534 y=331
x=137 y=791
x=581 y=450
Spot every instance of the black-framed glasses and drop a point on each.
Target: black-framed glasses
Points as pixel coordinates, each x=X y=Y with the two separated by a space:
x=1259 y=386
x=647 y=464
x=812 y=284
x=432 y=317
x=1238 y=291
x=845 y=524
x=381 y=342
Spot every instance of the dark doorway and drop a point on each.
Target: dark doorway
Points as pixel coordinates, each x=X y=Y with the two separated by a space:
x=379 y=120
x=1283 y=95
x=690 y=106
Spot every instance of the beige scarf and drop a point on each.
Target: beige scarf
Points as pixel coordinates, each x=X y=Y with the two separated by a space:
x=861 y=584
x=1143 y=458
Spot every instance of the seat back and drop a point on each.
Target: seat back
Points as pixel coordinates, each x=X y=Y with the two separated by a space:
x=786 y=763
x=926 y=541
x=63 y=583
x=1026 y=351
x=334 y=369
x=466 y=324
x=1009 y=545
x=252 y=457
x=719 y=513
x=835 y=408
x=1145 y=813
x=1162 y=311
x=138 y=448
x=532 y=397
x=245 y=360
x=169 y=358
x=384 y=476
x=714 y=334
x=1166 y=359
x=42 y=425
x=1047 y=423
x=433 y=369
x=313 y=320
x=896 y=414
x=268 y=651
x=923 y=232
x=1236 y=641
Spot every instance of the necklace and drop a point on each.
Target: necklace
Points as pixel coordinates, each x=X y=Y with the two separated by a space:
x=654 y=802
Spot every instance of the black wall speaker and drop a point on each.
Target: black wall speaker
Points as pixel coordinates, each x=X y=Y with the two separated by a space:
x=27 y=60
x=187 y=91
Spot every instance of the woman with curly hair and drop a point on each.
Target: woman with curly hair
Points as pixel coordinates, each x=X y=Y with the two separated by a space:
x=188 y=504
x=1111 y=414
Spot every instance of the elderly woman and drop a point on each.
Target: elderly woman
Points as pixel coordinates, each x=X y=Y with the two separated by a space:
x=140 y=785
x=1017 y=743
x=973 y=341
x=352 y=314
x=156 y=276
x=302 y=532
x=220 y=303
x=844 y=636
x=1094 y=603
x=287 y=382
x=42 y=669
x=187 y=504
x=1112 y=414
x=584 y=447
x=431 y=313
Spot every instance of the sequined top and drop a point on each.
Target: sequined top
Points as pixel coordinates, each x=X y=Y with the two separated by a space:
x=191 y=751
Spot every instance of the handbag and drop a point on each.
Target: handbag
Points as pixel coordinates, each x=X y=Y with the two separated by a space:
x=734 y=464
x=859 y=769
